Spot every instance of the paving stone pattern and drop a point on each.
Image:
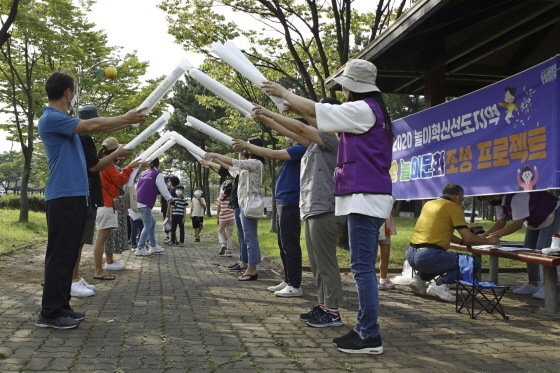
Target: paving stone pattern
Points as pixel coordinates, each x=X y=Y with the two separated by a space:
x=182 y=311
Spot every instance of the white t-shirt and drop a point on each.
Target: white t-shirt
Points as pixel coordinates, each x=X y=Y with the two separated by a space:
x=196 y=206
x=356 y=118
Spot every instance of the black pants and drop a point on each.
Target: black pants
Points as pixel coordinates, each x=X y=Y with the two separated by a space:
x=66 y=219
x=177 y=220
x=289 y=231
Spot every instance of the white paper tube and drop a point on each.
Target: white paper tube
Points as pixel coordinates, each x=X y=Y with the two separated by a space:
x=220 y=90
x=179 y=139
x=244 y=67
x=209 y=130
x=165 y=86
x=159 y=142
x=196 y=156
x=159 y=123
x=161 y=150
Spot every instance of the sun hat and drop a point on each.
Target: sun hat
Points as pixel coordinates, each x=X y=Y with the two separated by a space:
x=88 y=112
x=358 y=76
x=110 y=143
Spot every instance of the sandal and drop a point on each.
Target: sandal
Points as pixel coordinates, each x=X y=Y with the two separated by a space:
x=248 y=277
x=105 y=277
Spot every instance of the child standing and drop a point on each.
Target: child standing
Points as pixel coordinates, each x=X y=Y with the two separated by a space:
x=177 y=211
x=197 y=213
x=225 y=219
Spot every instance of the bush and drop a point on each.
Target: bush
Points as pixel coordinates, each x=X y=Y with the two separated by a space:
x=11 y=201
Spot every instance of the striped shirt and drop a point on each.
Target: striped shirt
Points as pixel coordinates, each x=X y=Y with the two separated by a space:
x=226 y=212
x=179 y=206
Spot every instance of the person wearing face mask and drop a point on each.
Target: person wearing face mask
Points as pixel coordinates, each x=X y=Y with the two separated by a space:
x=540 y=213
x=177 y=212
x=197 y=213
x=432 y=235
x=171 y=183
x=66 y=202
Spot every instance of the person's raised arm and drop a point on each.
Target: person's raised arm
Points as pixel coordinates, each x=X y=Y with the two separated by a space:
x=106 y=125
x=108 y=160
x=292 y=128
x=209 y=164
x=262 y=151
x=300 y=104
x=218 y=158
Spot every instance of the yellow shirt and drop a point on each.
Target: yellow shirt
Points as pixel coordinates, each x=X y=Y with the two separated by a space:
x=437 y=222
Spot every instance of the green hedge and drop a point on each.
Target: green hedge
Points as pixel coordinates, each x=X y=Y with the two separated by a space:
x=11 y=201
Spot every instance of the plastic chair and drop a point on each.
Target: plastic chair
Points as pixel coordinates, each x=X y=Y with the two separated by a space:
x=485 y=294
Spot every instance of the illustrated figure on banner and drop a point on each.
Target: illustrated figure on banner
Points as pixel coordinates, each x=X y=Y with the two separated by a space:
x=509 y=105
x=526 y=178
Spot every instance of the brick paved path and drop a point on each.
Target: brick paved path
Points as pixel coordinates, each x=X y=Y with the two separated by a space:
x=182 y=311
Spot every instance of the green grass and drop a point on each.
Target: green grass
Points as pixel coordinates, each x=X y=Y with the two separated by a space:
x=269 y=243
x=15 y=234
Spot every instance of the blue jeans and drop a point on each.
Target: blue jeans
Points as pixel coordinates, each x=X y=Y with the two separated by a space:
x=149 y=230
x=135 y=226
x=434 y=262
x=243 y=258
x=363 y=234
x=289 y=234
x=251 y=236
x=540 y=239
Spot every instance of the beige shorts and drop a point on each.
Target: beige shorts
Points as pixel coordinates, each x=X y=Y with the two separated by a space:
x=106 y=218
x=386 y=241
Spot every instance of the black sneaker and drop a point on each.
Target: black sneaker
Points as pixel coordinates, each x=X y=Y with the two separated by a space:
x=357 y=345
x=324 y=319
x=63 y=322
x=233 y=265
x=74 y=314
x=344 y=337
x=197 y=240
x=311 y=314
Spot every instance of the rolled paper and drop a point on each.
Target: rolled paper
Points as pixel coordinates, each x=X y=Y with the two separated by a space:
x=196 y=156
x=161 y=150
x=165 y=86
x=159 y=123
x=180 y=139
x=209 y=130
x=244 y=67
x=230 y=97
x=159 y=142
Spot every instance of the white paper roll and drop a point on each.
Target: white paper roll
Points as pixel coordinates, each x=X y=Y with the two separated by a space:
x=161 y=150
x=209 y=130
x=196 y=156
x=159 y=142
x=159 y=123
x=230 y=97
x=180 y=139
x=165 y=86
x=244 y=67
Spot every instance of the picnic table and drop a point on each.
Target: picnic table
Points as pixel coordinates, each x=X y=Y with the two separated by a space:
x=548 y=262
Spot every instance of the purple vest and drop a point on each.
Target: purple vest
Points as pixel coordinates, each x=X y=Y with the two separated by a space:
x=147 y=189
x=541 y=204
x=364 y=160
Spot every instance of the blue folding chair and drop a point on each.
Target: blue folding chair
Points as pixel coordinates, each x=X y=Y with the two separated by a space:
x=485 y=294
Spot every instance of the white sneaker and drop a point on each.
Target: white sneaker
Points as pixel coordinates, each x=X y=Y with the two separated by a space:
x=418 y=286
x=156 y=249
x=289 y=291
x=142 y=252
x=526 y=289
x=539 y=294
x=88 y=286
x=442 y=292
x=278 y=287
x=79 y=290
x=115 y=266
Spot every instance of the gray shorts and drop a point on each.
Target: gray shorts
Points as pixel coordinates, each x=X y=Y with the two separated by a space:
x=89 y=229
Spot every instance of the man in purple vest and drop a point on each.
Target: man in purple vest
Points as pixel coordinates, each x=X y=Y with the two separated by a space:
x=540 y=213
x=150 y=183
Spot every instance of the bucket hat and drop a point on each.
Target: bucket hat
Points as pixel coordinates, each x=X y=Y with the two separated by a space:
x=358 y=76
x=88 y=112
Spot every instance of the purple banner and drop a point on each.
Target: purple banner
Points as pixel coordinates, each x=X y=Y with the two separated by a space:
x=500 y=139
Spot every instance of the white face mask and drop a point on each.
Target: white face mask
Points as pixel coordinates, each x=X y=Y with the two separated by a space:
x=198 y=193
x=179 y=192
x=73 y=102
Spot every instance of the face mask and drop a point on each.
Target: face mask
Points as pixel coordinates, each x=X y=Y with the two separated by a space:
x=198 y=193
x=73 y=102
x=179 y=192
x=495 y=202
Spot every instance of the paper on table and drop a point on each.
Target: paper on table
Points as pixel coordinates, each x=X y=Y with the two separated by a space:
x=159 y=123
x=209 y=130
x=230 y=97
x=243 y=66
x=503 y=248
x=161 y=150
x=165 y=86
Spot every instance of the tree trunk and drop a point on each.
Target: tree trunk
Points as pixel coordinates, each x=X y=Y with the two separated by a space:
x=23 y=200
